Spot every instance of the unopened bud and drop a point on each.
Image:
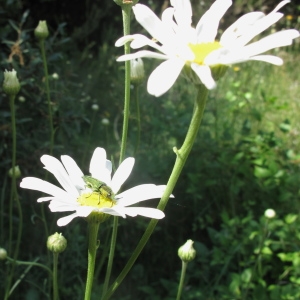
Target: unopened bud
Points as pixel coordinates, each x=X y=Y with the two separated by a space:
x=17 y=172
x=41 y=32
x=187 y=252
x=95 y=107
x=11 y=85
x=3 y=254
x=270 y=213
x=126 y=2
x=56 y=243
x=105 y=121
x=137 y=73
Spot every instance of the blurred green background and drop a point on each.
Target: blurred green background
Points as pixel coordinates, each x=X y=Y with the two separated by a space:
x=246 y=158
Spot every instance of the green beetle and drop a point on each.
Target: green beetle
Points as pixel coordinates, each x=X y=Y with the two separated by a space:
x=98 y=186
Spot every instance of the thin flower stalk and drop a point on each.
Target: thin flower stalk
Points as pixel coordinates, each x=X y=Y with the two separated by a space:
x=181 y=157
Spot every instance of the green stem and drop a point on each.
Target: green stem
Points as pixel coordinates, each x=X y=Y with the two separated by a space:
x=180 y=287
x=181 y=157
x=126 y=11
x=43 y=52
x=111 y=255
x=28 y=263
x=55 y=285
x=14 y=195
x=93 y=233
x=138 y=118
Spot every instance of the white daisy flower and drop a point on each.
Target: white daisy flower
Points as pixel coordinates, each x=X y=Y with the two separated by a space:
x=182 y=45
x=96 y=195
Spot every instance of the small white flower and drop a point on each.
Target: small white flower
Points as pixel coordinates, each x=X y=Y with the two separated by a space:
x=180 y=44
x=76 y=196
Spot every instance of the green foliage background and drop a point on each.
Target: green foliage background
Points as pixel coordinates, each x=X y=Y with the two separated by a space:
x=246 y=159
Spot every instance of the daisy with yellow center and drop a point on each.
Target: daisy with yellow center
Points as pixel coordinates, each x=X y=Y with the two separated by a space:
x=180 y=44
x=94 y=196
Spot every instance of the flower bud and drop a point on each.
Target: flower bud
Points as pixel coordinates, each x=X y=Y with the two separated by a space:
x=95 y=107
x=21 y=98
x=126 y=2
x=17 y=172
x=3 y=254
x=55 y=76
x=11 y=85
x=41 y=31
x=270 y=213
x=187 y=252
x=105 y=121
x=137 y=73
x=56 y=243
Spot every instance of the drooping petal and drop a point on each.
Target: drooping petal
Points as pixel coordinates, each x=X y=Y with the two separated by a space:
x=271 y=59
x=37 y=184
x=114 y=211
x=122 y=174
x=204 y=73
x=66 y=220
x=140 y=193
x=54 y=166
x=73 y=170
x=148 y=19
x=164 y=76
x=99 y=167
x=140 y=54
x=207 y=27
x=145 y=212
x=84 y=211
x=277 y=39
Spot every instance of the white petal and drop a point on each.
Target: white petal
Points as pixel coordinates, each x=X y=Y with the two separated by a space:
x=54 y=166
x=37 y=184
x=73 y=170
x=122 y=174
x=277 y=39
x=147 y=18
x=43 y=199
x=269 y=59
x=204 y=73
x=145 y=212
x=140 y=193
x=183 y=12
x=84 y=211
x=114 y=211
x=57 y=205
x=240 y=27
x=140 y=54
x=207 y=27
x=164 y=76
x=100 y=168
x=66 y=220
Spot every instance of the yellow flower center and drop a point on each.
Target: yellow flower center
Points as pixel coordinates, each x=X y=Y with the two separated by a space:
x=202 y=50
x=95 y=199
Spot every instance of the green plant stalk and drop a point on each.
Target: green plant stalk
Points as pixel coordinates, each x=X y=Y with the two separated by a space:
x=13 y=195
x=43 y=52
x=29 y=263
x=182 y=276
x=93 y=228
x=54 y=281
x=126 y=11
x=181 y=157
x=138 y=118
